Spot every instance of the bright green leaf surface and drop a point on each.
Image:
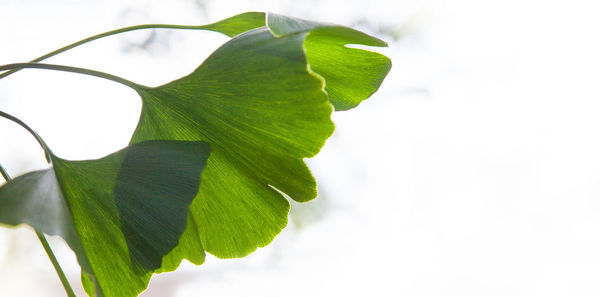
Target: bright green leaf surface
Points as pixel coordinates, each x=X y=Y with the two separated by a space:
x=351 y=75
x=120 y=214
x=263 y=101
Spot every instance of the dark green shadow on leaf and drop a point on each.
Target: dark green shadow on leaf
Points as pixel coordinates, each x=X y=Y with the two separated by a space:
x=153 y=191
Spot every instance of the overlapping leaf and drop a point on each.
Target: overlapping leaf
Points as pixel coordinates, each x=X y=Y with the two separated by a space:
x=351 y=75
x=120 y=214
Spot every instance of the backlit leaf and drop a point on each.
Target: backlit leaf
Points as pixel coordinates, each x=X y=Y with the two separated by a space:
x=120 y=214
x=263 y=101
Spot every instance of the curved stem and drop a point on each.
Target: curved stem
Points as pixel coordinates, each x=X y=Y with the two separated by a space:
x=37 y=137
x=74 y=70
x=48 y=249
x=105 y=34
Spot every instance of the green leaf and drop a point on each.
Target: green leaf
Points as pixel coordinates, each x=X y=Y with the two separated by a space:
x=263 y=101
x=238 y=24
x=120 y=214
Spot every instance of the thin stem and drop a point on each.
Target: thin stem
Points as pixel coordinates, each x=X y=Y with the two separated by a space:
x=105 y=34
x=59 y=271
x=4 y=173
x=37 y=137
x=48 y=249
x=74 y=70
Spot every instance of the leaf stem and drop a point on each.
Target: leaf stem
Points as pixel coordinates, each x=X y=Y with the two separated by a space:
x=74 y=70
x=48 y=249
x=4 y=173
x=37 y=137
x=59 y=271
x=105 y=34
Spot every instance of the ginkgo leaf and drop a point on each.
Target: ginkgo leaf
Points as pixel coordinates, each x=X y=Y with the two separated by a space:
x=120 y=214
x=263 y=106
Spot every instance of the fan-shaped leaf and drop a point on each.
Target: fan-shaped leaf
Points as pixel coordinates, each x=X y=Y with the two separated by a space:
x=263 y=107
x=120 y=214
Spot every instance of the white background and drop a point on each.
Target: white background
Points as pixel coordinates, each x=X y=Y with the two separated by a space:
x=474 y=171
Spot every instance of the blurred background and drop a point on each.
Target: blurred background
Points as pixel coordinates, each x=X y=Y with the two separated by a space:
x=474 y=171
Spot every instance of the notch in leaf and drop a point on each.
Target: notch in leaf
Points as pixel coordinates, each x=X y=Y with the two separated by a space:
x=120 y=214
